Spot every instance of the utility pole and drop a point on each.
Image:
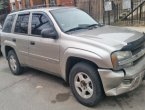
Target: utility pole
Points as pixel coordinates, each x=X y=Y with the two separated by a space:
x=103 y=12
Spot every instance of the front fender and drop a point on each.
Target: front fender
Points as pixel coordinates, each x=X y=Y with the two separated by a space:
x=84 y=54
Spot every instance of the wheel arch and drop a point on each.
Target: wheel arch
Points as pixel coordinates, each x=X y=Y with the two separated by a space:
x=7 y=46
x=71 y=61
x=7 y=49
x=73 y=56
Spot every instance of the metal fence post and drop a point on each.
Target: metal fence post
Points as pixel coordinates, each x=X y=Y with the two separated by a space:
x=108 y=17
x=103 y=12
x=75 y=3
x=132 y=12
x=117 y=12
x=140 y=12
x=89 y=7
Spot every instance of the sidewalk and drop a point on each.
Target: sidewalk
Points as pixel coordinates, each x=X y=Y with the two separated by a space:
x=140 y=29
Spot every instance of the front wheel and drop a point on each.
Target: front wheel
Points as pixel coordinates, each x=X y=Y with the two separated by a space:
x=14 y=64
x=85 y=84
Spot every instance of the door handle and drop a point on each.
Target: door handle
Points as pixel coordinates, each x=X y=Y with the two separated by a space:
x=32 y=43
x=14 y=40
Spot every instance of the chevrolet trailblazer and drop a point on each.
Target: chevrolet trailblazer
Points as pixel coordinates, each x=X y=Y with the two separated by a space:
x=95 y=60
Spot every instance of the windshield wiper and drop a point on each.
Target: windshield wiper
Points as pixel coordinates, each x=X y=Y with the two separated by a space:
x=92 y=25
x=76 y=28
x=83 y=26
x=89 y=26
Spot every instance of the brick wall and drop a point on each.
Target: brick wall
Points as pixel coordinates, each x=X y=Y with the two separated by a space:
x=65 y=2
x=40 y=2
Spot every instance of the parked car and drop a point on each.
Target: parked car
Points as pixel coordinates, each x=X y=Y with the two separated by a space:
x=95 y=60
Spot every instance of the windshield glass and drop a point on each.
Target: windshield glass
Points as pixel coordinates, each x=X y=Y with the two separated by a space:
x=72 y=18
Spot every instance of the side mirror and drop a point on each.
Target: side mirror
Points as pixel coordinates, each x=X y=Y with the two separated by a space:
x=49 y=33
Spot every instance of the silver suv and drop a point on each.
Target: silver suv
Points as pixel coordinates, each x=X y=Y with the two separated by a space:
x=95 y=60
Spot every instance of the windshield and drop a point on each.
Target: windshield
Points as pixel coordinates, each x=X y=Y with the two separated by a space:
x=72 y=18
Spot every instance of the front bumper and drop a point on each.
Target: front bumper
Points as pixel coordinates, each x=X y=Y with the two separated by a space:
x=116 y=83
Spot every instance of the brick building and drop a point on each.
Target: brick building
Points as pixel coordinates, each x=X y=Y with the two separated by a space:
x=19 y=4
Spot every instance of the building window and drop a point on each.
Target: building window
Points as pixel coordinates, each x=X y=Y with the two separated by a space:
x=52 y=2
x=13 y=6
x=27 y=3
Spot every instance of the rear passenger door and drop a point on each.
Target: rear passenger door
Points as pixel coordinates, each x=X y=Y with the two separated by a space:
x=43 y=52
x=20 y=36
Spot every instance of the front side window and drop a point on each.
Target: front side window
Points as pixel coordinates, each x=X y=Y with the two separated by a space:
x=8 y=23
x=39 y=22
x=22 y=24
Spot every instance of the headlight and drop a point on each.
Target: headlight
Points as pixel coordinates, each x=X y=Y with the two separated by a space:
x=120 y=59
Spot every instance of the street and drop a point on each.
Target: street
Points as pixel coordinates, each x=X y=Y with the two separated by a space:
x=35 y=90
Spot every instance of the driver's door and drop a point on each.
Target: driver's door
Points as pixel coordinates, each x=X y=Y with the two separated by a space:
x=43 y=52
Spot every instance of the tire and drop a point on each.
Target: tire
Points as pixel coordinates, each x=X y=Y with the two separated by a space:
x=14 y=64
x=85 y=84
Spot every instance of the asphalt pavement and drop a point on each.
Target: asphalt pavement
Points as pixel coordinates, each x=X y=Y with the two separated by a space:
x=35 y=90
x=140 y=28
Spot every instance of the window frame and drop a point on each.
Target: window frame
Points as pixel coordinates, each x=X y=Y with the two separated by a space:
x=11 y=30
x=22 y=13
x=39 y=12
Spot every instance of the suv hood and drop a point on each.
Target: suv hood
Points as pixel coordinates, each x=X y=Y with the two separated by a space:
x=116 y=37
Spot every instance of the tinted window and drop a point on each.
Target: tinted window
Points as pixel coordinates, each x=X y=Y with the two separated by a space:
x=22 y=24
x=8 y=23
x=39 y=22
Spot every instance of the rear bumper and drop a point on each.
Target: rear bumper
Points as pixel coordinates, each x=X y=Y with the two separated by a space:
x=116 y=83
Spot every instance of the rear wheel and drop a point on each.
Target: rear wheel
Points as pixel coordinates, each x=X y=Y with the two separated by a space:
x=85 y=84
x=14 y=64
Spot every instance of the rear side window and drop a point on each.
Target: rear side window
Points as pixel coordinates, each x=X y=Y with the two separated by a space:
x=22 y=24
x=8 y=23
x=40 y=21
